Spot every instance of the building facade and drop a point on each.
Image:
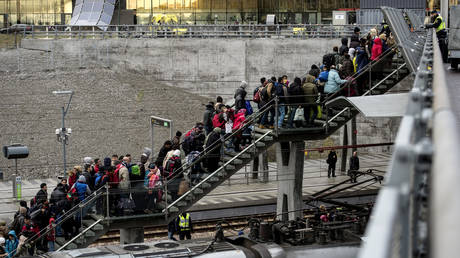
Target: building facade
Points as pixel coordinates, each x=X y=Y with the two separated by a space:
x=49 y=12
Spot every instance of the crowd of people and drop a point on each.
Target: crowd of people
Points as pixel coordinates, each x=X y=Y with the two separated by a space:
x=140 y=187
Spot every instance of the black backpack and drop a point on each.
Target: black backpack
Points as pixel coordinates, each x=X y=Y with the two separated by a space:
x=264 y=94
x=329 y=59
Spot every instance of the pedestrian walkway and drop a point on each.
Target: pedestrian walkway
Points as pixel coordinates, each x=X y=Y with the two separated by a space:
x=240 y=190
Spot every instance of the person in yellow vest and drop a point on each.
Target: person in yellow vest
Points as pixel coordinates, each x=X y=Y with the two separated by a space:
x=184 y=226
x=441 y=32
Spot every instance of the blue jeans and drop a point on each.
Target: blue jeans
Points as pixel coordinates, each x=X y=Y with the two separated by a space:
x=265 y=117
x=291 y=116
x=281 y=115
x=50 y=246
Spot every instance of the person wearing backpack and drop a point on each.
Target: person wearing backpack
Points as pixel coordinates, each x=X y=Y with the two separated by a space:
x=266 y=95
x=256 y=93
x=174 y=174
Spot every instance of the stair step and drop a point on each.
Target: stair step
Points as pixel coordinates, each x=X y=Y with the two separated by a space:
x=265 y=139
x=212 y=179
x=181 y=204
x=89 y=222
x=222 y=173
x=243 y=155
x=173 y=209
x=389 y=82
x=61 y=241
x=228 y=167
x=198 y=191
x=260 y=145
x=189 y=197
x=259 y=130
x=205 y=185
x=90 y=233
x=382 y=87
x=235 y=161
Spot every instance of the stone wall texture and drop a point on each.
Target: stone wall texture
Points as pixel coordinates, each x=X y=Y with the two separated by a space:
x=119 y=83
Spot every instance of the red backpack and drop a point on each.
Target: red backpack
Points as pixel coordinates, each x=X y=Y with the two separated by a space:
x=216 y=121
x=256 y=97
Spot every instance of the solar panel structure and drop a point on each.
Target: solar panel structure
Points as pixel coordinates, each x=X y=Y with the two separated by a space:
x=92 y=13
x=411 y=43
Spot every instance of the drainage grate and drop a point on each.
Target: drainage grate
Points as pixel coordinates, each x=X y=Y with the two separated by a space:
x=136 y=247
x=166 y=245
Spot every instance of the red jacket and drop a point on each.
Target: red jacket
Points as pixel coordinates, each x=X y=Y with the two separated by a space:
x=239 y=119
x=218 y=121
x=376 y=49
x=72 y=180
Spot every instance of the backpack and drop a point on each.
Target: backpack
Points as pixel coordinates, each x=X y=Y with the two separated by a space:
x=135 y=170
x=249 y=109
x=264 y=94
x=98 y=179
x=98 y=183
x=256 y=97
x=216 y=121
x=72 y=195
x=329 y=59
x=171 y=164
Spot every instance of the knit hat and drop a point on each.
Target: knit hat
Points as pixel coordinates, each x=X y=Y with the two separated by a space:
x=107 y=162
x=82 y=179
x=147 y=152
x=243 y=84
x=88 y=160
x=176 y=153
x=152 y=165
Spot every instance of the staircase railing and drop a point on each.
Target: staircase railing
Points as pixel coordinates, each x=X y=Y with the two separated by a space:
x=252 y=145
x=79 y=235
x=66 y=216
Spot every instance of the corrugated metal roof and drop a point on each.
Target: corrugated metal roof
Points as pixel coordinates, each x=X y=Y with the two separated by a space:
x=408 y=4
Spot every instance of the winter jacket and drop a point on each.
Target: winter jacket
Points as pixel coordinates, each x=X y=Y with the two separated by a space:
x=347 y=68
x=354 y=163
x=161 y=156
x=240 y=102
x=309 y=90
x=333 y=82
x=281 y=92
x=89 y=179
x=72 y=180
x=332 y=158
x=239 y=119
x=344 y=48
x=41 y=196
x=59 y=193
x=362 y=59
x=11 y=245
x=295 y=90
x=82 y=190
x=323 y=76
x=208 y=115
x=218 y=120
x=377 y=49
x=123 y=175
x=354 y=41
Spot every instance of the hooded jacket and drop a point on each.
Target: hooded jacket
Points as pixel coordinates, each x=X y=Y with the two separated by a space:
x=333 y=82
x=11 y=245
x=344 y=48
x=309 y=90
x=377 y=49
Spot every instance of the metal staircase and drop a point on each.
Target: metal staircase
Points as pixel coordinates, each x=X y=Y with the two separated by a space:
x=94 y=226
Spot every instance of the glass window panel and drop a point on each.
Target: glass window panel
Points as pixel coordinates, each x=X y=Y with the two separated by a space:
x=203 y=17
x=218 y=5
x=106 y=18
x=193 y=4
x=140 y=5
x=148 y=5
x=108 y=9
x=73 y=20
x=186 y=4
x=172 y=5
x=13 y=8
x=155 y=4
x=94 y=17
x=234 y=4
x=204 y=4
x=179 y=4
x=163 y=4
x=131 y=4
x=2 y=10
x=187 y=18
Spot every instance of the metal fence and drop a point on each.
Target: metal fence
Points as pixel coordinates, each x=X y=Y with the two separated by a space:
x=301 y=31
x=400 y=225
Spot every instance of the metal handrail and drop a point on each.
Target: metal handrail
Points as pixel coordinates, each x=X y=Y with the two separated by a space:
x=217 y=171
x=95 y=195
x=384 y=79
x=79 y=235
x=202 y=155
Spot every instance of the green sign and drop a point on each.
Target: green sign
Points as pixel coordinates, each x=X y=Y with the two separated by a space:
x=160 y=122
